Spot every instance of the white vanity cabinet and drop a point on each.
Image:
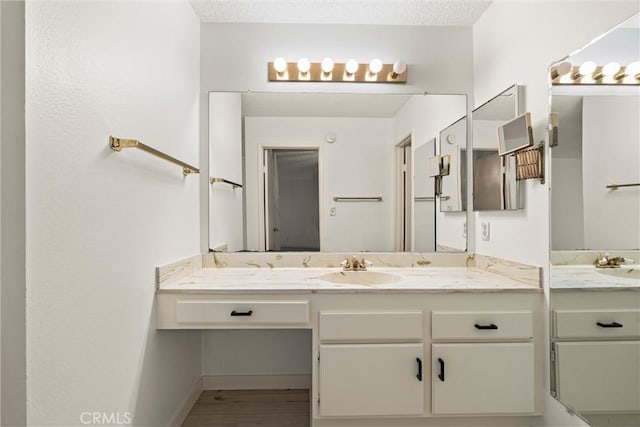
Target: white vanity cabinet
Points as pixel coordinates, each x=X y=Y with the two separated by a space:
x=474 y=371
x=375 y=354
x=371 y=363
x=596 y=347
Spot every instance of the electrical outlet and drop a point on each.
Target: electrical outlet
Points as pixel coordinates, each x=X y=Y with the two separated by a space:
x=485 y=231
x=464 y=230
x=332 y=212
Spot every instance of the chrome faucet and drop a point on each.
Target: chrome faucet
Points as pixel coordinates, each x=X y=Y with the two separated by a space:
x=606 y=261
x=355 y=264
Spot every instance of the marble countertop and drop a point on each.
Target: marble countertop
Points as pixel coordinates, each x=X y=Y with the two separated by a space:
x=569 y=277
x=308 y=280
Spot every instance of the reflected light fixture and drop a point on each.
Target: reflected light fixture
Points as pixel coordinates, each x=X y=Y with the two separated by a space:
x=327 y=70
x=561 y=69
x=633 y=71
x=586 y=70
x=591 y=73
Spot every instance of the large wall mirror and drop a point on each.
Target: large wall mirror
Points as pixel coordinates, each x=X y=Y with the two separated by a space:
x=327 y=172
x=495 y=186
x=595 y=219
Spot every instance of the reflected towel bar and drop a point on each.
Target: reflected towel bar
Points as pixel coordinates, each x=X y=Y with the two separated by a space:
x=616 y=186
x=117 y=144
x=235 y=185
x=431 y=198
x=357 y=199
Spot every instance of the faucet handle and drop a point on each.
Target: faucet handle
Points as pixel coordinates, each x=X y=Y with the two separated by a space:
x=366 y=263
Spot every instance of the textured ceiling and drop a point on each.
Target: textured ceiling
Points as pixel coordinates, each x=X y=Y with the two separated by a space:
x=376 y=12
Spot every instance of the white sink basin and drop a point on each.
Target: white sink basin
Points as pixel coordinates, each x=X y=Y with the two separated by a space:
x=361 y=277
x=623 y=272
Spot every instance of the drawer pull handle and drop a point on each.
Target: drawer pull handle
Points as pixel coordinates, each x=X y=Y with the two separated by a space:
x=610 y=325
x=483 y=327
x=419 y=375
x=441 y=374
x=242 y=313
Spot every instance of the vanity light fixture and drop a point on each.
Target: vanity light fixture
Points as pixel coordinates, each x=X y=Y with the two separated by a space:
x=329 y=71
x=591 y=73
x=327 y=67
x=280 y=66
x=303 y=69
x=375 y=66
x=350 y=69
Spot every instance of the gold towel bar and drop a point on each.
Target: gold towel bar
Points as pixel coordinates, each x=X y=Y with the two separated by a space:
x=616 y=186
x=427 y=199
x=117 y=144
x=225 y=181
x=357 y=199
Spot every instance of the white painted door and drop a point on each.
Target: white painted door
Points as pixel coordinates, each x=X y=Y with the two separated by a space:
x=371 y=379
x=496 y=378
x=610 y=367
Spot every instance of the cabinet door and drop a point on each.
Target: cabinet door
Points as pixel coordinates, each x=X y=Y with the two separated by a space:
x=371 y=380
x=483 y=378
x=599 y=376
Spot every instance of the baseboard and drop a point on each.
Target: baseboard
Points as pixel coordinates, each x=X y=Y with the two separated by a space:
x=255 y=382
x=187 y=404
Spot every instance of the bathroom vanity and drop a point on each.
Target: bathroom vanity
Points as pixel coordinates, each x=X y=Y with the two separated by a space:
x=595 y=335
x=451 y=336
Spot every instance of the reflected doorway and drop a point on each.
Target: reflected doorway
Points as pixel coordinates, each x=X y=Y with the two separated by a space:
x=291 y=199
x=405 y=180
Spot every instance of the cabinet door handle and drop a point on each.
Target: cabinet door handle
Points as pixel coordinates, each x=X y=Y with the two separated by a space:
x=242 y=313
x=610 y=325
x=441 y=374
x=491 y=326
x=419 y=376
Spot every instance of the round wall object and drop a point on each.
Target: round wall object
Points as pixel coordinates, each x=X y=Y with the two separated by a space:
x=451 y=138
x=330 y=138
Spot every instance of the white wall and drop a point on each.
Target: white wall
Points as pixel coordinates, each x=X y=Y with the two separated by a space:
x=99 y=222
x=515 y=42
x=611 y=155
x=346 y=171
x=225 y=161
x=423 y=117
x=12 y=211
x=567 y=231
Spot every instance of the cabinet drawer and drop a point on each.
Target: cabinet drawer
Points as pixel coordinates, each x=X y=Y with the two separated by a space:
x=242 y=312
x=480 y=325
x=597 y=323
x=371 y=326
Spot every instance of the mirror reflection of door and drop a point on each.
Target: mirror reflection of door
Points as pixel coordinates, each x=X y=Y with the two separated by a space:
x=292 y=220
x=405 y=178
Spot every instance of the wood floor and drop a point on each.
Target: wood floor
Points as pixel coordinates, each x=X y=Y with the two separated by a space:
x=249 y=408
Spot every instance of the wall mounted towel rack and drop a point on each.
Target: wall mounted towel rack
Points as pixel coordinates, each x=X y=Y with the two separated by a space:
x=357 y=199
x=235 y=185
x=616 y=186
x=117 y=144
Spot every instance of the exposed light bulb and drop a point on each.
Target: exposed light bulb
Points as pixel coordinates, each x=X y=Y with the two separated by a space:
x=587 y=68
x=304 y=65
x=280 y=65
x=352 y=66
x=327 y=65
x=399 y=67
x=611 y=69
x=375 y=66
x=632 y=69
x=561 y=69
